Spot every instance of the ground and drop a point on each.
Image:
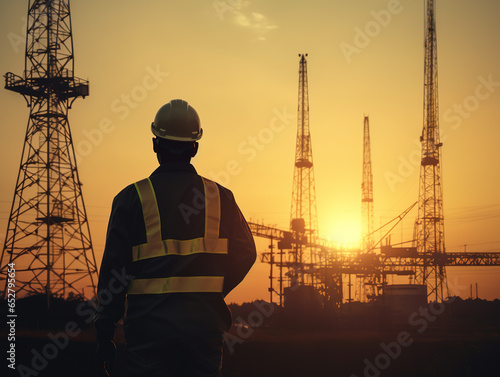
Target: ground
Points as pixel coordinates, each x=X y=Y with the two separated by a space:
x=299 y=355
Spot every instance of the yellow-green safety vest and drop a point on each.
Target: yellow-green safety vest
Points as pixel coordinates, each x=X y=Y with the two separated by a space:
x=156 y=247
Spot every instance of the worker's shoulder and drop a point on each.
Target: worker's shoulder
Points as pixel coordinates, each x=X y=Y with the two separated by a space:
x=127 y=194
x=224 y=191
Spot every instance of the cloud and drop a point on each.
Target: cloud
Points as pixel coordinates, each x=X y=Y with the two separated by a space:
x=252 y=20
x=258 y=16
x=241 y=19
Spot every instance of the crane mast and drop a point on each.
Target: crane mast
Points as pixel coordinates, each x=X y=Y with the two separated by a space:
x=367 y=191
x=429 y=226
x=304 y=221
x=368 y=289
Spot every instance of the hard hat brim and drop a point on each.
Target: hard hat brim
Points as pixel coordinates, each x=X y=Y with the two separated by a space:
x=195 y=137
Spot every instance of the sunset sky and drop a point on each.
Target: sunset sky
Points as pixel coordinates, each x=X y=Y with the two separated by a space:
x=236 y=62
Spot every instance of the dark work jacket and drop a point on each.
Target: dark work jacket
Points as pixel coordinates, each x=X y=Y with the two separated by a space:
x=179 y=190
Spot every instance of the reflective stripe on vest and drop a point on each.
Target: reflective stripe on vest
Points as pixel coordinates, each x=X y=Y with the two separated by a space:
x=156 y=247
x=184 y=284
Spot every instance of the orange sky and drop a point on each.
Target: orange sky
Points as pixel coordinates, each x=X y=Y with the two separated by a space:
x=236 y=62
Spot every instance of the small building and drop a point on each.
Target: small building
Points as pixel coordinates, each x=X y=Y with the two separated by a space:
x=400 y=301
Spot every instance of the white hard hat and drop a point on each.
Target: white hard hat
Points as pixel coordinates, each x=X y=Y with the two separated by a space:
x=177 y=120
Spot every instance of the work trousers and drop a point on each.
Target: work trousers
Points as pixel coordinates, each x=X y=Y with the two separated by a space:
x=179 y=357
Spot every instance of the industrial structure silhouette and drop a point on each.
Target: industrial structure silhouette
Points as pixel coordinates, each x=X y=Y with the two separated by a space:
x=48 y=236
x=424 y=262
x=429 y=227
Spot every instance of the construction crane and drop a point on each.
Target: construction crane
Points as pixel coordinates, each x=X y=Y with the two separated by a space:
x=429 y=225
x=367 y=192
x=303 y=221
x=48 y=236
x=369 y=266
x=308 y=267
x=368 y=282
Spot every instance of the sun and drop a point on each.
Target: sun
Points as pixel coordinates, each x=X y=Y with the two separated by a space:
x=345 y=231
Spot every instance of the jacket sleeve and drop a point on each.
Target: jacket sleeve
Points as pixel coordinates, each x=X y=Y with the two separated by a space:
x=241 y=248
x=113 y=276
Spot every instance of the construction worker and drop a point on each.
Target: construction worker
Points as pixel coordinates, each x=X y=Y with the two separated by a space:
x=176 y=245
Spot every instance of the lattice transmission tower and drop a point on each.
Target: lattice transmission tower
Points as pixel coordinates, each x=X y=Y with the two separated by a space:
x=429 y=226
x=48 y=236
x=304 y=220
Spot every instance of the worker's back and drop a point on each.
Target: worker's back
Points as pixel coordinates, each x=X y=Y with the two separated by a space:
x=180 y=195
x=178 y=244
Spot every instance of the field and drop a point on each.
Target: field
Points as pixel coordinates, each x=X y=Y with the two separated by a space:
x=298 y=355
x=454 y=345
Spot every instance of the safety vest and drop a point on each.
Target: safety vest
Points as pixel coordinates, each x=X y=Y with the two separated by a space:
x=156 y=247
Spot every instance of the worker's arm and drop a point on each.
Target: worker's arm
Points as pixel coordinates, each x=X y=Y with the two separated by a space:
x=241 y=248
x=113 y=283
x=113 y=277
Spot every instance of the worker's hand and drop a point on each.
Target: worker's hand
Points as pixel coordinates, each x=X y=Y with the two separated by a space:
x=105 y=358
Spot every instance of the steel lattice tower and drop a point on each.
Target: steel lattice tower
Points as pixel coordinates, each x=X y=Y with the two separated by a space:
x=48 y=235
x=429 y=226
x=368 y=290
x=367 y=192
x=304 y=221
